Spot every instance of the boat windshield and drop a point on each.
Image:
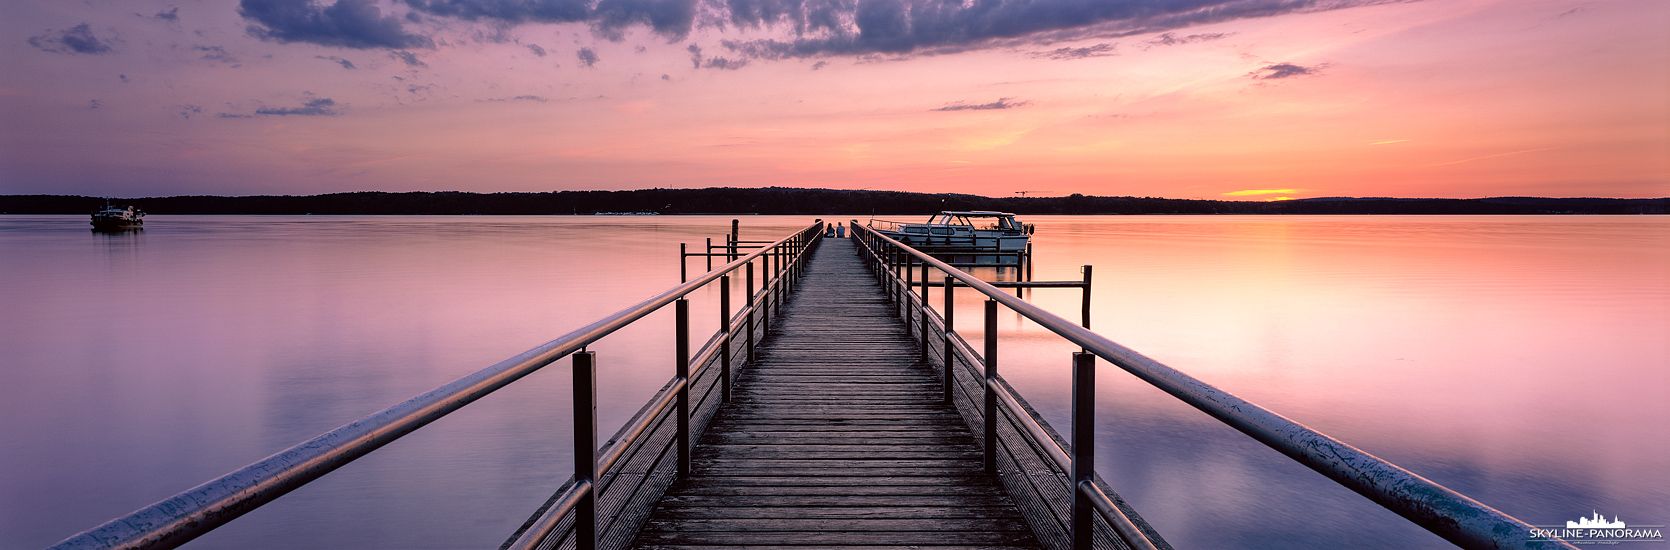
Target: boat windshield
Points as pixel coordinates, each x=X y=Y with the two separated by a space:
x=949 y=219
x=983 y=222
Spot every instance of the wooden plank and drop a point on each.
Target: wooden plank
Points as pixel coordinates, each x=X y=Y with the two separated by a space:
x=837 y=512
x=916 y=538
x=827 y=547
x=838 y=490
x=853 y=525
x=696 y=484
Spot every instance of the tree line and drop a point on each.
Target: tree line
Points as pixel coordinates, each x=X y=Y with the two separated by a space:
x=799 y=201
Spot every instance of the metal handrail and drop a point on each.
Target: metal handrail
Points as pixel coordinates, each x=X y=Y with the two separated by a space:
x=1456 y=517
x=187 y=515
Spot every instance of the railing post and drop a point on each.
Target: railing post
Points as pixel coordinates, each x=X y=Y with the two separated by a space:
x=709 y=254
x=683 y=275
x=991 y=387
x=749 y=318
x=585 y=448
x=682 y=352
x=1086 y=299
x=725 y=340
x=778 y=290
x=890 y=279
x=736 y=235
x=950 y=355
x=1084 y=447
x=924 y=311
x=910 y=285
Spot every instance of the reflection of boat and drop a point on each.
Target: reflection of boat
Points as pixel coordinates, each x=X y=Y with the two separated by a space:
x=111 y=218
x=968 y=236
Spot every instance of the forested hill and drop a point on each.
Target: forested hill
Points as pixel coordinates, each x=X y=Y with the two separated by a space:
x=778 y=200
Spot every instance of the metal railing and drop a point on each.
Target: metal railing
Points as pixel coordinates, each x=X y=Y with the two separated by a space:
x=636 y=452
x=1081 y=498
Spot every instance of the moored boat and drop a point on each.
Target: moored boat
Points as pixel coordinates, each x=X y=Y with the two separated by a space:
x=111 y=218
x=963 y=230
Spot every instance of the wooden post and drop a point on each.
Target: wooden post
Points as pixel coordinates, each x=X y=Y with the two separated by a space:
x=991 y=388
x=682 y=255
x=1084 y=447
x=950 y=356
x=585 y=447
x=725 y=341
x=924 y=311
x=1086 y=299
x=682 y=353
x=910 y=285
x=748 y=320
x=709 y=254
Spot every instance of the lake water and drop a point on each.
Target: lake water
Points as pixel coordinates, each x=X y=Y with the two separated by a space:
x=1519 y=360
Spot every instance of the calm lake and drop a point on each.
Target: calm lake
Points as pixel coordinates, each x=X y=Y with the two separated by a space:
x=1523 y=361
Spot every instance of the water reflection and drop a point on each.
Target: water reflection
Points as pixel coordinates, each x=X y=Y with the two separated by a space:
x=1518 y=360
x=138 y=365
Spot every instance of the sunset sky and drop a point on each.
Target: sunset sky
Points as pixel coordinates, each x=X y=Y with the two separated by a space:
x=1216 y=99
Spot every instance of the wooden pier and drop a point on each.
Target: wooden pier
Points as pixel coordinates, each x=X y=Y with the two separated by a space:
x=837 y=436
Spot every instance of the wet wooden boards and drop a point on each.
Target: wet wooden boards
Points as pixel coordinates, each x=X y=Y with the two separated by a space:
x=836 y=437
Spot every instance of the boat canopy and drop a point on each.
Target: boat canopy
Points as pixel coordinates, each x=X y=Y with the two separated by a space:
x=977 y=219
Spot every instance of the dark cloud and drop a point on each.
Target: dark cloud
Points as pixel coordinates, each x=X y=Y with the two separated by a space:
x=1099 y=50
x=904 y=27
x=809 y=28
x=314 y=107
x=513 y=11
x=233 y=115
x=1283 y=70
x=345 y=24
x=724 y=63
x=216 y=54
x=536 y=49
x=188 y=111
x=666 y=77
x=94 y=104
x=409 y=58
x=1001 y=103
x=123 y=77
x=170 y=15
x=77 y=39
x=1168 y=39
x=587 y=57
x=540 y=99
x=820 y=65
x=670 y=18
x=608 y=18
x=346 y=64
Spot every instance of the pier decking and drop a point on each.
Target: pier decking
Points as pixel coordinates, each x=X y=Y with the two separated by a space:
x=837 y=436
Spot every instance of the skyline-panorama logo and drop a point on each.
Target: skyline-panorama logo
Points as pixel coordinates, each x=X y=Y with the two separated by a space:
x=1596 y=529
x=1596 y=522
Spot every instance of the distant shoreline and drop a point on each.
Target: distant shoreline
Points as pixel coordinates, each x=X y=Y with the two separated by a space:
x=797 y=201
